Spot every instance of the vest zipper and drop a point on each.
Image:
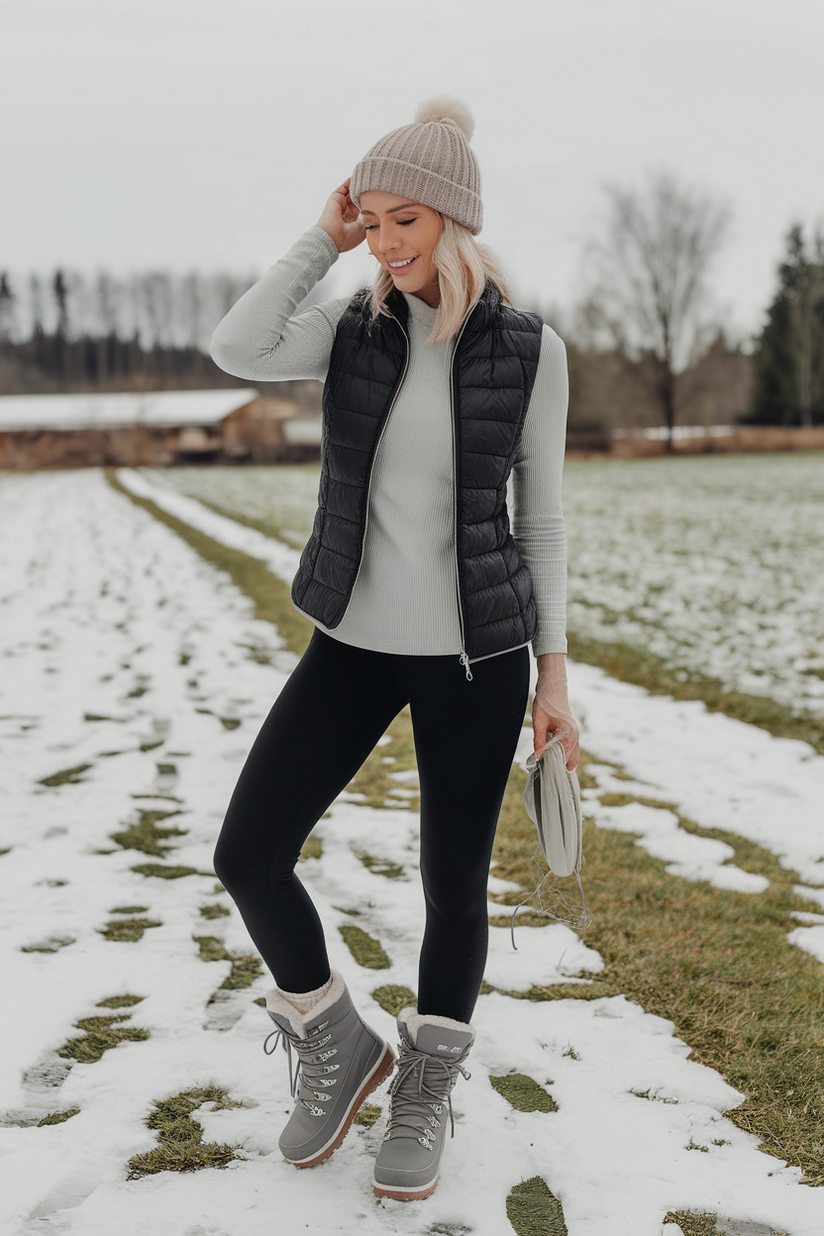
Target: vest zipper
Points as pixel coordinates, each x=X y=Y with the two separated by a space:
x=463 y=658
x=372 y=465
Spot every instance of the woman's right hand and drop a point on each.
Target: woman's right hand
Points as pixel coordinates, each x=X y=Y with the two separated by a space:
x=341 y=219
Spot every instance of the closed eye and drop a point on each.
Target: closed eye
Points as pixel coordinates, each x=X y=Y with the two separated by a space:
x=370 y=227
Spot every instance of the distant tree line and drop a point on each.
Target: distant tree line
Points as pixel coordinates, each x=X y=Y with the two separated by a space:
x=150 y=330
x=645 y=346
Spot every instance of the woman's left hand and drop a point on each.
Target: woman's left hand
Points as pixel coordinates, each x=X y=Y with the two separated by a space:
x=551 y=712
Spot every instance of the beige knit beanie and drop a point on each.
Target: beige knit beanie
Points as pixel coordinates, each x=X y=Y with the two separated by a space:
x=430 y=162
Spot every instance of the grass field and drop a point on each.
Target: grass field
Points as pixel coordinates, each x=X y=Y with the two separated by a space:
x=702 y=577
x=136 y=675
x=716 y=963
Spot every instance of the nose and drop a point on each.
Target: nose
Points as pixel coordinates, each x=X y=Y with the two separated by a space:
x=386 y=241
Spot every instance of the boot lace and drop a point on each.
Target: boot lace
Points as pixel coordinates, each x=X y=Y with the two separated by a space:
x=422 y=1086
x=311 y=1082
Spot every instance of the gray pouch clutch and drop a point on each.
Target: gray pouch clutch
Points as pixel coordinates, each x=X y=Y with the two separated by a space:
x=553 y=803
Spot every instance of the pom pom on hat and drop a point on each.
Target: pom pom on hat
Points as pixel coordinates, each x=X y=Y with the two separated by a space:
x=444 y=107
x=429 y=161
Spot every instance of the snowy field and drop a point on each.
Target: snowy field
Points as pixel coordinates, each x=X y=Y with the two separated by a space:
x=714 y=563
x=134 y=680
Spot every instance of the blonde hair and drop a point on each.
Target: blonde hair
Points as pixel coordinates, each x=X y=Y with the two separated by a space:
x=463 y=268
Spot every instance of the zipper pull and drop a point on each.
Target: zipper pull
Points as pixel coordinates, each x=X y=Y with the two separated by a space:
x=464 y=660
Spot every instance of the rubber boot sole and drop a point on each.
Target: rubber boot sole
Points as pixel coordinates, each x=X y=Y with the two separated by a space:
x=381 y=1071
x=406 y=1195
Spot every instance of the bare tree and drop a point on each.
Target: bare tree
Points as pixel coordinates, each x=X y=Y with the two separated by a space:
x=648 y=280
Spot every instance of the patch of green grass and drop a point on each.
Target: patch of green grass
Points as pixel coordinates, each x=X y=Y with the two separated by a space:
x=366 y=950
x=146 y=836
x=101 y=1033
x=368 y=1115
x=693 y=1224
x=393 y=998
x=257 y=653
x=381 y=866
x=166 y=798
x=163 y=872
x=623 y=800
x=127 y=930
x=523 y=1093
x=58 y=1117
x=129 y=910
x=534 y=1210
x=554 y=991
x=180 y=1145
x=119 y=1002
x=261 y=1001
x=312 y=848
x=166 y=770
x=52 y=945
x=246 y=968
x=94 y=716
x=646 y=670
x=715 y=962
x=214 y=911
x=230 y=723
x=66 y=776
x=210 y=948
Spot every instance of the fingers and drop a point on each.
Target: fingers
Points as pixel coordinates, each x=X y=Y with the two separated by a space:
x=541 y=735
x=545 y=725
x=572 y=751
x=348 y=209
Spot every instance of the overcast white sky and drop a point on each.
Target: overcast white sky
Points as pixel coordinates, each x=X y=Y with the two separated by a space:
x=208 y=133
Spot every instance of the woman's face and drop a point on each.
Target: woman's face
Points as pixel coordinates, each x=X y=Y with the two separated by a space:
x=402 y=235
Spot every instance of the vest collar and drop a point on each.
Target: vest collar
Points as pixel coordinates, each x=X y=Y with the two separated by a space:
x=482 y=313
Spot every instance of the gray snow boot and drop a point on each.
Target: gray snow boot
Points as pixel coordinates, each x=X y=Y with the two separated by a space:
x=431 y=1055
x=340 y=1061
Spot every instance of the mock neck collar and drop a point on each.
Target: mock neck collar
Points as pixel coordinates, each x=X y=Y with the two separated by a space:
x=419 y=311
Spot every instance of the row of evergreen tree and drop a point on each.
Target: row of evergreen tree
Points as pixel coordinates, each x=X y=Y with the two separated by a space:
x=789 y=358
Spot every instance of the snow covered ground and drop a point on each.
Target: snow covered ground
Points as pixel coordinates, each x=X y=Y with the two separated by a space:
x=133 y=662
x=715 y=563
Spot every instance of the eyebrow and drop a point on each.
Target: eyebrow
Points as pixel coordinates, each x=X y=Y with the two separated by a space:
x=392 y=210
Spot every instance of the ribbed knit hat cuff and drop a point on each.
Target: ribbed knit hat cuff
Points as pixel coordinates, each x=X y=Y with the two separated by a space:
x=419 y=185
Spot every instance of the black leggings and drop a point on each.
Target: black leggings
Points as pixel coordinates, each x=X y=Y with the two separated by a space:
x=331 y=712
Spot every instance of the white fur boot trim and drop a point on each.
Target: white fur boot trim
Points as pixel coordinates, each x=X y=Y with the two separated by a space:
x=276 y=1002
x=413 y=1022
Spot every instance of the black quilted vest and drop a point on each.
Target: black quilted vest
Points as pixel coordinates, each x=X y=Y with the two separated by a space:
x=493 y=371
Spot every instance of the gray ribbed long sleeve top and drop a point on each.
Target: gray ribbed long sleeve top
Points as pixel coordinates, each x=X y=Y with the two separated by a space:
x=405 y=599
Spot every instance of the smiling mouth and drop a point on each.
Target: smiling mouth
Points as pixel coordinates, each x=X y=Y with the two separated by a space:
x=403 y=265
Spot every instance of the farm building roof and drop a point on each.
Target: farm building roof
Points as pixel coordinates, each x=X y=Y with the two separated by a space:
x=111 y=411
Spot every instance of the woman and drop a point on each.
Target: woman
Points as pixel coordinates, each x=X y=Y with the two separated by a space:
x=435 y=390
